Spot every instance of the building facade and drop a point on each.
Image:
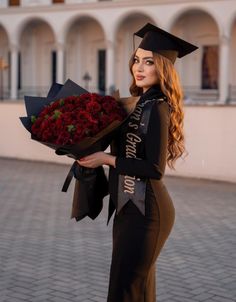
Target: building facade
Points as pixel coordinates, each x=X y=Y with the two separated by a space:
x=90 y=42
x=42 y=41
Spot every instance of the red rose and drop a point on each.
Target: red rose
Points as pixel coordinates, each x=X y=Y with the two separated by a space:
x=70 y=120
x=93 y=107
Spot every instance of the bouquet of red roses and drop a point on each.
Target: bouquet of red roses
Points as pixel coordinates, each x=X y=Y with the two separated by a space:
x=72 y=121
x=69 y=120
x=76 y=123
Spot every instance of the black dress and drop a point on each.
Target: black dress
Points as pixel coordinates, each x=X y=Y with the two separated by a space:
x=137 y=238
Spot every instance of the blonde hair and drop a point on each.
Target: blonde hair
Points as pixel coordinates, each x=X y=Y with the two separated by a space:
x=170 y=86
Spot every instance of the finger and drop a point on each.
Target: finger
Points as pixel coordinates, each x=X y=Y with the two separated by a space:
x=90 y=156
x=85 y=162
x=82 y=162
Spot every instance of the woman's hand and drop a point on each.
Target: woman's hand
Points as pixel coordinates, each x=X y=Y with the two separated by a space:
x=97 y=159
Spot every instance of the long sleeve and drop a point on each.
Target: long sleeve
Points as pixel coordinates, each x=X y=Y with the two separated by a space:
x=156 y=142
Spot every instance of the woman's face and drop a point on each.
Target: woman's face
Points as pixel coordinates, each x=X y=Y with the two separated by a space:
x=144 y=70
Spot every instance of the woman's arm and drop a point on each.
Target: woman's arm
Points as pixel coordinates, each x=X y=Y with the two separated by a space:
x=155 y=147
x=156 y=143
x=97 y=159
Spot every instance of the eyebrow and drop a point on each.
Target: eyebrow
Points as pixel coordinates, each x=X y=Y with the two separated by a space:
x=145 y=58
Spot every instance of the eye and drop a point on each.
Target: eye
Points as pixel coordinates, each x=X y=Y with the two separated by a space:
x=136 y=60
x=149 y=62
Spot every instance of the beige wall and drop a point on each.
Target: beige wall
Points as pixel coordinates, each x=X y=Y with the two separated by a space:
x=75 y=31
x=15 y=139
x=210 y=141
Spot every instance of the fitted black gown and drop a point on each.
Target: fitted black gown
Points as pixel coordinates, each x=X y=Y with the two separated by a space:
x=137 y=238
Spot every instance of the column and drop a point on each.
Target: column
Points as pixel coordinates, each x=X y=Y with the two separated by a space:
x=14 y=71
x=60 y=62
x=224 y=69
x=110 y=66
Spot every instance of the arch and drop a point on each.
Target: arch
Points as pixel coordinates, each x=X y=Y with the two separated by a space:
x=36 y=55
x=26 y=21
x=231 y=23
x=4 y=40
x=85 y=44
x=77 y=17
x=232 y=65
x=4 y=55
x=199 y=27
x=121 y=19
x=5 y=31
x=189 y=9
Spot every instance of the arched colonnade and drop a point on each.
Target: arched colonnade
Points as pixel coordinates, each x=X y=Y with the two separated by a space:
x=95 y=52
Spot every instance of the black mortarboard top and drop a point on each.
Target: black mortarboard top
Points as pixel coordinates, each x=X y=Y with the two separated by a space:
x=160 y=41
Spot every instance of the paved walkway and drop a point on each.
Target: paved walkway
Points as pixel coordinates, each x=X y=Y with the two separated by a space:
x=46 y=256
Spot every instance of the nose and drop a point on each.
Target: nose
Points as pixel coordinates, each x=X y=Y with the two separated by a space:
x=140 y=66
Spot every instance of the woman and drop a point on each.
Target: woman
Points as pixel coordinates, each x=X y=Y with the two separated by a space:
x=151 y=137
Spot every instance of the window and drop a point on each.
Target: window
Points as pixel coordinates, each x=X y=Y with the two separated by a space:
x=19 y=71
x=210 y=62
x=9 y=70
x=57 y=1
x=14 y=2
x=102 y=70
x=54 y=66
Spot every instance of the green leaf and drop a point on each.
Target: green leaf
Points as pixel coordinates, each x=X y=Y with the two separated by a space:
x=33 y=118
x=70 y=128
x=61 y=102
x=56 y=114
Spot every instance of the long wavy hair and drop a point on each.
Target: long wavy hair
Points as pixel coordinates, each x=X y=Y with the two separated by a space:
x=170 y=85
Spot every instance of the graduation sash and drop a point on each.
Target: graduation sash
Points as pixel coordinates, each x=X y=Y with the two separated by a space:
x=132 y=187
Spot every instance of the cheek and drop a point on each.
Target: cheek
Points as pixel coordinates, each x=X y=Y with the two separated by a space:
x=133 y=69
x=152 y=75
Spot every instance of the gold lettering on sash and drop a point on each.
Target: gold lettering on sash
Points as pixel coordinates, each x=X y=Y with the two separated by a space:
x=130 y=151
x=129 y=184
x=131 y=125
x=137 y=113
x=132 y=140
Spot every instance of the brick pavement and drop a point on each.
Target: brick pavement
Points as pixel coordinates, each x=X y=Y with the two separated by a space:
x=46 y=256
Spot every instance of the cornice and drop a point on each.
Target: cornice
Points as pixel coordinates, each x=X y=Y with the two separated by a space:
x=97 y=5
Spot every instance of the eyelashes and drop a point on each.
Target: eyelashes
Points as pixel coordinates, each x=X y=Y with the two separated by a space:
x=148 y=62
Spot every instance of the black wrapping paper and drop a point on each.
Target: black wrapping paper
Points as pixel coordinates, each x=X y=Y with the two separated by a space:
x=91 y=185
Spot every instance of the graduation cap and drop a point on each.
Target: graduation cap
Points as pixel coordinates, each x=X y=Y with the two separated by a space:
x=160 y=41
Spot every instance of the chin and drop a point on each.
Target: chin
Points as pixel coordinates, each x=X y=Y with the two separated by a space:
x=139 y=86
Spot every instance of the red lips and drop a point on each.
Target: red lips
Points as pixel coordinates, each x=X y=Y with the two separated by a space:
x=139 y=78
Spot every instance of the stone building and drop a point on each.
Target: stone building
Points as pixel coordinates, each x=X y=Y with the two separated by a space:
x=90 y=42
x=44 y=41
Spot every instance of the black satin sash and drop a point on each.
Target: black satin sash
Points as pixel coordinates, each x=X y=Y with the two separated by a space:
x=134 y=187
